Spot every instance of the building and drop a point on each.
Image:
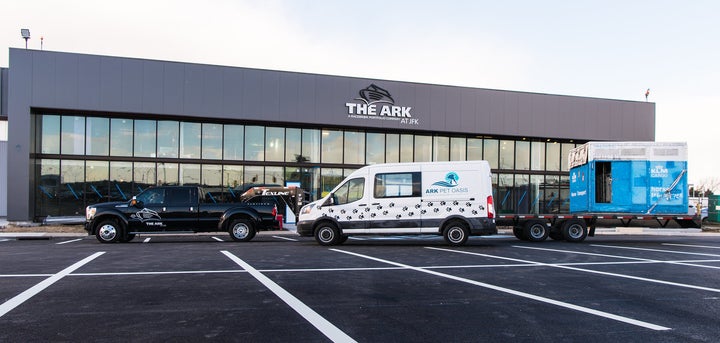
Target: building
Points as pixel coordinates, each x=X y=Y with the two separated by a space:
x=86 y=129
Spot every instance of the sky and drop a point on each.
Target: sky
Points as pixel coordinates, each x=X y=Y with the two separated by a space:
x=614 y=49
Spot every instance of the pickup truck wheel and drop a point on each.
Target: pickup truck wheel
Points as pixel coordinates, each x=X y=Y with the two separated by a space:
x=574 y=230
x=456 y=233
x=241 y=230
x=108 y=231
x=129 y=237
x=536 y=231
x=327 y=234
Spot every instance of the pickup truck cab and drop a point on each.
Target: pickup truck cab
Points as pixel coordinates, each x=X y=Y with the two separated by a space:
x=177 y=209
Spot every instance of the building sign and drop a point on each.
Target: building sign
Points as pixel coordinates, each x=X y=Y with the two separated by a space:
x=376 y=103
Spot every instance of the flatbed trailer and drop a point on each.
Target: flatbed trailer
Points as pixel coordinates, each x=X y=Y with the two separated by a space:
x=576 y=227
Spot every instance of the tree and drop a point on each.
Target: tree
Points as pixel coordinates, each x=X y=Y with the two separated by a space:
x=707 y=186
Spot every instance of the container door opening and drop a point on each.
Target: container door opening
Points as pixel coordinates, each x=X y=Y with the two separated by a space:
x=603 y=182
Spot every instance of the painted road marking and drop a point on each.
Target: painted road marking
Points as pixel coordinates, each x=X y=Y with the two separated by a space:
x=218 y=239
x=322 y=324
x=286 y=238
x=34 y=290
x=4 y=239
x=692 y=246
x=70 y=241
x=146 y=240
x=517 y=293
x=655 y=250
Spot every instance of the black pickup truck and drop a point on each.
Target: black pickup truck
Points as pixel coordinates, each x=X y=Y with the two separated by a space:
x=183 y=209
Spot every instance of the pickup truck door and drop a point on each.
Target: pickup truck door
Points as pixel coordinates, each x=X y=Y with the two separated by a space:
x=180 y=209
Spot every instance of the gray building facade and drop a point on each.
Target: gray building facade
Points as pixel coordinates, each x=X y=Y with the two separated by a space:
x=225 y=127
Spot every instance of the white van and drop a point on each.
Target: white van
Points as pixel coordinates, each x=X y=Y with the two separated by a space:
x=453 y=199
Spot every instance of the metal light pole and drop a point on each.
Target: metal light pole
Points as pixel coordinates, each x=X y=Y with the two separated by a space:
x=25 y=33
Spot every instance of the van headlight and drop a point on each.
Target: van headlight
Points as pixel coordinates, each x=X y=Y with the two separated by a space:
x=307 y=208
x=90 y=212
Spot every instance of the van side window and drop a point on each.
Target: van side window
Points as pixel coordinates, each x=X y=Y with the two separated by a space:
x=350 y=191
x=396 y=185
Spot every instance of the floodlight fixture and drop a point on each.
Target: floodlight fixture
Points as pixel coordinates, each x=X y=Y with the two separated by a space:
x=25 y=33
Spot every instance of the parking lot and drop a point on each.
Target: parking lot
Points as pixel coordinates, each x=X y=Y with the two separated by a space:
x=287 y=288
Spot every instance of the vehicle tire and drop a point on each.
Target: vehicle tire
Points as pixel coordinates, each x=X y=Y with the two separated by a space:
x=556 y=235
x=128 y=237
x=328 y=234
x=109 y=231
x=456 y=233
x=343 y=239
x=518 y=232
x=574 y=230
x=536 y=231
x=241 y=230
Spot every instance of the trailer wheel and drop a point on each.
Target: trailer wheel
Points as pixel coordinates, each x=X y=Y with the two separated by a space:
x=574 y=230
x=556 y=235
x=327 y=234
x=241 y=230
x=456 y=233
x=108 y=231
x=518 y=232
x=535 y=231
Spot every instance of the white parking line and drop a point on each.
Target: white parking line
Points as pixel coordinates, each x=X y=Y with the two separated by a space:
x=285 y=238
x=692 y=246
x=146 y=240
x=218 y=239
x=518 y=293
x=322 y=324
x=4 y=239
x=656 y=250
x=34 y=290
x=70 y=241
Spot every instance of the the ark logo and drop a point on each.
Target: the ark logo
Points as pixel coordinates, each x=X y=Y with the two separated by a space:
x=377 y=103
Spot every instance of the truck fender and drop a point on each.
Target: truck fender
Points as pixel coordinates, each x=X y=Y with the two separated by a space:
x=100 y=216
x=231 y=213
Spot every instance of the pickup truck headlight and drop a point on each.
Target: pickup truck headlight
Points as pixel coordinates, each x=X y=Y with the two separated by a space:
x=306 y=209
x=90 y=212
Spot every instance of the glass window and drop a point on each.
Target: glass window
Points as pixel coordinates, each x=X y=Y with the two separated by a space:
x=153 y=196
x=145 y=131
x=253 y=175
x=232 y=181
x=97 y=136
x=96 y=178
x=553 y=156
x=120 y=181
x=72 y=187
x=293 y=145
x=255 y=143
x=212 y=141
x=179 y=196
x=423 y=148
x=491 y=148
x=48 y=186
x=274 y=144
x=522 y=193
x=168 y=139
x=551 y=194
x=505 y=201
x=274 y=175
x=474 y=149
x=332 y=140
x=354 y=147
x=212 y=183
x=189 y=174
x=349 y=192
x=507 y=154
x=406 y=148
x=167 y=174
x=537 y=156
x=564 y=194
x=522 y=155
x=441 y=148
x=536 y=193
x=72 y=139
x=397 y=185
x=329 y=178
x=143 y=175
x=190 y=140
x=50 y=135
x=457 y=149
x=121 y=137
x=564 y=155
x=310 y=145
x=234 y=140
x=392 y=148
x=375 y=152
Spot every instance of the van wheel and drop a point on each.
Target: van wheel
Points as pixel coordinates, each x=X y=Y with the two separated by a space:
x=241 y=230
x=108 y=231
x=574 y=230
x=327 y=234
x=456 y=233
x=536 y=231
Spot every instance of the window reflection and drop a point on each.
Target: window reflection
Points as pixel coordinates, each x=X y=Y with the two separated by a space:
x=406 y=148
x=72 y=139
x=310 y=146
x=507 y=154
x=168 y=139
x=274 y=144
x=98 y=136
x=145 y=131
x=212 y=141
x=121 y=137
x=332 y=142
x=234 y=139
x=190 y=140
x=537 y=158
x=522 y=155
x=553 y=156
x=458 y=149
x=491 y=149
x=254 y=143
x=50 y=136
x=392 y=148
x=354 y=147
x=293 y=145
x=423 y=148
x=474 y=149
x=441 y=148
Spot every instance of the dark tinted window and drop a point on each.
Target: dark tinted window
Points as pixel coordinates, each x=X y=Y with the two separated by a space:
x=179 y=196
